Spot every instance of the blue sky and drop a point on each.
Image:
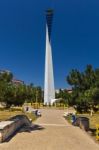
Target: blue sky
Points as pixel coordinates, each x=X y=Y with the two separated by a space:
x=75 y=37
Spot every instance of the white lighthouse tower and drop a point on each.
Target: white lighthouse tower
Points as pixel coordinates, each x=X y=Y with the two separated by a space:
x=49 y=89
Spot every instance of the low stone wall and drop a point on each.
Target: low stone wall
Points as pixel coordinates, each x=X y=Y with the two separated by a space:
x=9 y=127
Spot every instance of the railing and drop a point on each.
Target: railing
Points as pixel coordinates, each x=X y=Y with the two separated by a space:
x=97 y=131
x=41 y=105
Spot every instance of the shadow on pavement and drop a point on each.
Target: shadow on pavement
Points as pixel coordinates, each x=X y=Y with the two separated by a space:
x=27 y=129
x=92 y=132
x=31 y=128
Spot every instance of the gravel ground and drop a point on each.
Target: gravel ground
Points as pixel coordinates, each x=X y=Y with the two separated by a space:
x=51 y=132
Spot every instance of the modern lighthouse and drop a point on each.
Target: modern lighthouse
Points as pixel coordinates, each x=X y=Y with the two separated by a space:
x=49 y=89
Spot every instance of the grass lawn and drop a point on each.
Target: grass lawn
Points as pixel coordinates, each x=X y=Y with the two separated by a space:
x=93 y=121
x=6 y=114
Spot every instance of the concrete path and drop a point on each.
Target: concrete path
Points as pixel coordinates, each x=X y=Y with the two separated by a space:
x=51 y=132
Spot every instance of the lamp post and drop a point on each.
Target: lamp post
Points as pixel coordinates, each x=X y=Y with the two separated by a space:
x=36 y=97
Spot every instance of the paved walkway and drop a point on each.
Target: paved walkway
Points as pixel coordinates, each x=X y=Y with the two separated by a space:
x=51 y=132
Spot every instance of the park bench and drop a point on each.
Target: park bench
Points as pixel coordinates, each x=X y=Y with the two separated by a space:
x=9 y=127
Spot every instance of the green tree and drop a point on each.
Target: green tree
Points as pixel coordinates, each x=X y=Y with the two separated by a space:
x=38 y=94
x=85 y=86
x=64 y=96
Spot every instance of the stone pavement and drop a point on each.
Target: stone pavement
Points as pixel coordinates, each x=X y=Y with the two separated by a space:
x=51 y=132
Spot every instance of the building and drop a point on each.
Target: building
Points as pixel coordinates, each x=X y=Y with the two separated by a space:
x=49 y=90
x=13 y=80
x=67 y=90
x=57 y=91
x=17 y=82
x=5 y=71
